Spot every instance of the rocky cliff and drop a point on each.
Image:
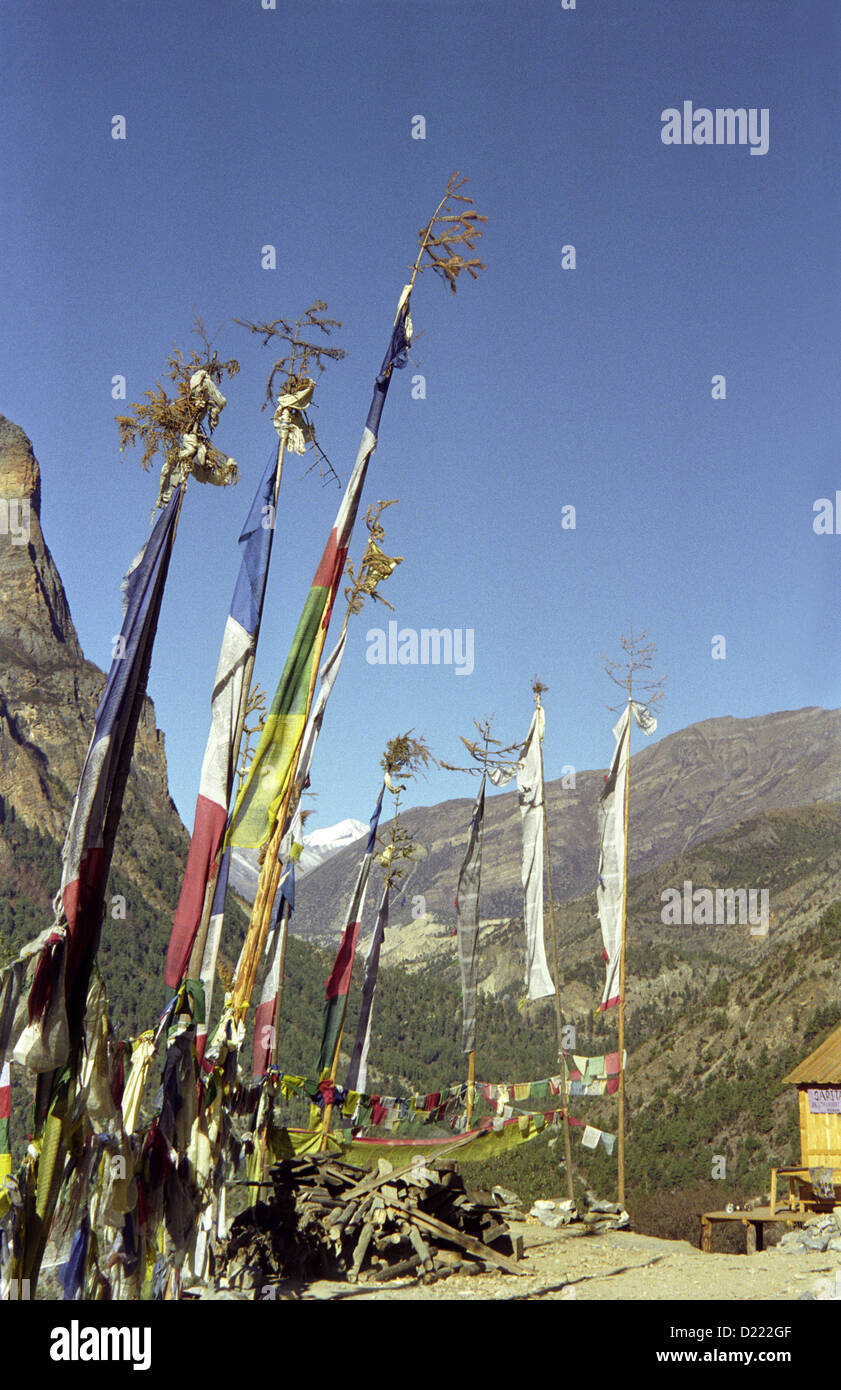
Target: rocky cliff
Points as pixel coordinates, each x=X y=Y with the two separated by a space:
x=48 y=691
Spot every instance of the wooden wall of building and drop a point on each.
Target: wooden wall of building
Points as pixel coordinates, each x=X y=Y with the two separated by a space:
x=820 y=1136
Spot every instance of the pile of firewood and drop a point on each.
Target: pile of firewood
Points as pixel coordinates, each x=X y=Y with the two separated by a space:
x=327 y=1219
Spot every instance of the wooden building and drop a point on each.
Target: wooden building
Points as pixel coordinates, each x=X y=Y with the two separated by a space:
x=818 y=1082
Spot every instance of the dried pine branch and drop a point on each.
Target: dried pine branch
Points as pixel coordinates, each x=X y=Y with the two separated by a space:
x=164 y=424
x=405 y=755
x=637 y=661
x=481 y=751
x=255 y=704
x=304 y=354
x=375 y=566
x=449 y=229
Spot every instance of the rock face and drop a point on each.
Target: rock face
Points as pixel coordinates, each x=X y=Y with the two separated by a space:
x=686 y=789
x=48 y=691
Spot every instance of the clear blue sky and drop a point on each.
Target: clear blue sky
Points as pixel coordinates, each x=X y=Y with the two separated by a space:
x=545 y=387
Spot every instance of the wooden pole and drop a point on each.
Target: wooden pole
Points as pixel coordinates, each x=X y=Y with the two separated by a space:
x=621 y=1144
x=471 y=1056
x=281 y=971
x=559 y=1023
x=471 y=1078
x=284 y=927
x=334 y=1067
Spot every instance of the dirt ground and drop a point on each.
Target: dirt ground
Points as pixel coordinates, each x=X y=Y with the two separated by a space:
x=567 y=1264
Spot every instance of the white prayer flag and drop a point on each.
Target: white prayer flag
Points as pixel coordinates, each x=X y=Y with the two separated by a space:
x=612 y=833
x=530 y=787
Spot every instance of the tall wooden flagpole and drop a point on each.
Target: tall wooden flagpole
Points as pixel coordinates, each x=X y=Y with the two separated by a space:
x=471 y=1056
x=621 y=1143
x=484 y=757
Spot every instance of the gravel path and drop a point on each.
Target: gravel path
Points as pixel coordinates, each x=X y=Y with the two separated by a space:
x=615 y=1265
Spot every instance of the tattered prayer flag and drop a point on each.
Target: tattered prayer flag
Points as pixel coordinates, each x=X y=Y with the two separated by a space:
x=96 y=811
x=268 y=784
x=5 y=1122
x=467 y=920
x=338 y=984
x=72 y=1275
x=264 y=1014
x=207 y=971
x=357 y=1076
x=142 y=1055
x=227 y=708
x=326 y=680
x=265 y=1020
x=611 y=1064
x=531 y=794
x=612 y=836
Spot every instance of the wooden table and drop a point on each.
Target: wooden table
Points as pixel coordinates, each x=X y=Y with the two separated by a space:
x=753 y=1221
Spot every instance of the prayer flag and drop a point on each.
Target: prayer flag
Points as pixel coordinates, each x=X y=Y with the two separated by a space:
x=264 y=1014
x=227 y=710
x=86 y=855
x=207 y=971
x=357 y=1076
x=338 y=984
x=5 y=1121
x=265 y=1021
x=532 y=811
x=612 y=836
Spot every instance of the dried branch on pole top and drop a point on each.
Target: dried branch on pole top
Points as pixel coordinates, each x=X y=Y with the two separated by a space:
x=375 y=566
x=403 y=757
x=295 y=393
x=498 y=757
x=638 y=657
x=294 y=367
x=449 y=229
x=178 y=427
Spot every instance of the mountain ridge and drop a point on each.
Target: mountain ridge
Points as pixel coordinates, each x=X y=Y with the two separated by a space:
x=688 y=787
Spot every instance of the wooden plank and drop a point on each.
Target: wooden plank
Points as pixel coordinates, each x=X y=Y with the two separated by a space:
x=475 y=1247
x=360 y=1252
x=757 y=1214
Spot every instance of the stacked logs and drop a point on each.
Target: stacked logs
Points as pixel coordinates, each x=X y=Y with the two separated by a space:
x=327 y=1219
